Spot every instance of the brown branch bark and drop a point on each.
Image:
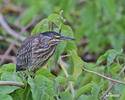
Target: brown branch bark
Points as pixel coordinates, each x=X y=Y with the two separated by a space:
x=12 y=58
x=11 y=83
x=6 y=53
x=105 y=77
x=67 y=75
x=111 y=86
x=34 y=20
x=9 y=30
x=9 y=41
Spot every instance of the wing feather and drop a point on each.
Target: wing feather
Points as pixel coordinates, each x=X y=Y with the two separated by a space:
x=24 y=54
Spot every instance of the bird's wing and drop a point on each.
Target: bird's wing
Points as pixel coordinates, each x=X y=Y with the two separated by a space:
x=24 y=54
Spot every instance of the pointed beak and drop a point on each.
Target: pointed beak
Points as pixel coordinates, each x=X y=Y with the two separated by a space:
x=65 y=38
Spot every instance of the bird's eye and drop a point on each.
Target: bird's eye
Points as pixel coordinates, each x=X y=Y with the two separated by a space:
x=55 y=36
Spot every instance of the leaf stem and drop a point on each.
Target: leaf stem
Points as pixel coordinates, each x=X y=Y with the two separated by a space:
x=65 y=72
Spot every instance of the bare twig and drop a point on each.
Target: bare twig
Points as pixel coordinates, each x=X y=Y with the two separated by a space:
x=61 y=15
x=111 y=86
x=30 y=24
x=6 y=53
x=11 y=83
x=12 y=58
x=105 y=77
x=70 y=83
x=17 y=22
x=9 y=30
x=10 y=41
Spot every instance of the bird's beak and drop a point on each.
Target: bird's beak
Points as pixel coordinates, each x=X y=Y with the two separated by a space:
x=61 y=38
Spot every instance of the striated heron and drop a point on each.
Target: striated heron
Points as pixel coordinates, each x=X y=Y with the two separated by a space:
x=37 y=49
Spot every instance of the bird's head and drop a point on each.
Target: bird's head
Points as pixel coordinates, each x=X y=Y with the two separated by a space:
x=56 y=37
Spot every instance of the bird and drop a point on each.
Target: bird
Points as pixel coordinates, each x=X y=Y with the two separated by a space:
x=36 y=50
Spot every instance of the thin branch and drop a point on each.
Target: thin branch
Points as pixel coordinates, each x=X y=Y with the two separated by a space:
x=11 y=83
x=12 y=58
x=6 y=53
x=111 y=86
x=65 y=72
x=9 y=30
x=17 y=22
x=105 y=77
x=30 y=24
x=9 y=41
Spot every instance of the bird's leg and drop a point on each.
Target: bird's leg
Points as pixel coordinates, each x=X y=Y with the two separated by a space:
x=34 y=74
x=59 y=30
x=27 y=74
x=21 y=74
x=31 y=74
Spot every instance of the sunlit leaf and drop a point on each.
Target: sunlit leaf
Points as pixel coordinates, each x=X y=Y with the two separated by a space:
x=5 y=97
x=66 y=95
x=84 y=89
x=42 y=88
x=45 y=72
x=42 y=26
x=109 y=55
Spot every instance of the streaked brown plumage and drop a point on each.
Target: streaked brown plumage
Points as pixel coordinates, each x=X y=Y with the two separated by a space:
x=37 y=49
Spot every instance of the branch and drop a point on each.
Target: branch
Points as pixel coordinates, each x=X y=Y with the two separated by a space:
x=111 y=86
x=12 y=58
x=11 y=83
x=10 y=41
x=9 y=30
x=30 y=24
x=65 y=72
x=105 y=77
x=6 y=53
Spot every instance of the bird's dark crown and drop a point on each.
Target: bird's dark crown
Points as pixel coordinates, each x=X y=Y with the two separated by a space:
x=51 y=33
x=57 y=36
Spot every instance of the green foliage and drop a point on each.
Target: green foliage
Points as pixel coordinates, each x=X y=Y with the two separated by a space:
x=84 y=90
x=99 y=21
x=5 y=97
x=46 y=86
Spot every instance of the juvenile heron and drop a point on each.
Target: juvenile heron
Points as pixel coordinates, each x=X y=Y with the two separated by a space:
x=37 y=49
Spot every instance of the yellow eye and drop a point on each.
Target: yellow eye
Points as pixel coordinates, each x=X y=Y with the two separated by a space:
x=55 y=36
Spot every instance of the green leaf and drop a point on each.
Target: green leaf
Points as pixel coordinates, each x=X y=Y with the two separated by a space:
x=41 y=88
x=61 y=80
x=5 y=97
x=115 y=68
x=77 y=64
x=8 y=67
x=27 y=95
x=123 y=95
x=70 y=78
x=42 y=26
x=67 y=31
x=109 y=8
x=59 y=49
x=109 y=55
x=111 y=58
x=45 y=72
x=55 y=19
x=86 y=97
x=9 y=76
x=95 y=92
x=66 y=95
x=83 y=90
x=22 y=94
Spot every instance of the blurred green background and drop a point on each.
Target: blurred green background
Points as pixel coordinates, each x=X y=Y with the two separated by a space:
x=98 y=27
